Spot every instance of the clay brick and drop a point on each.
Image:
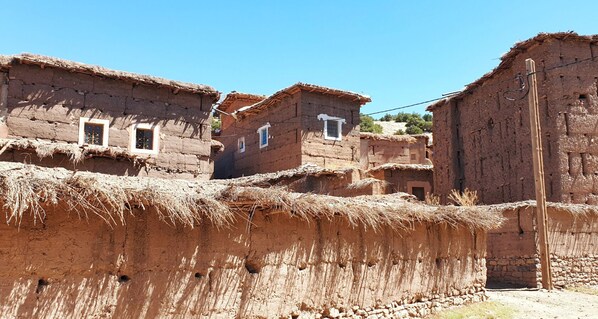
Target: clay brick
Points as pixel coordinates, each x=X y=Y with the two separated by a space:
x=144 y=109
x=118 y=137
x=152 y=93
x=112 y=87
x=67 y=132
x=31 y=74
x=189 y=100
x=105 y=102
x=196 y=147
x=20 y=127
x=15 y=88
x=171 y=144
x=78 y=81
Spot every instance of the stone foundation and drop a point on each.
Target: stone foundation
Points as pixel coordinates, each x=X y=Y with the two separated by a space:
x=402 y=308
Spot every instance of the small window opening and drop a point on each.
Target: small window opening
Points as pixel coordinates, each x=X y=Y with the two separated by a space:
x=241 y=144
x=264 y=135
x=144 y=139
x=332 y=127
x=94 y=134
x=419 y=192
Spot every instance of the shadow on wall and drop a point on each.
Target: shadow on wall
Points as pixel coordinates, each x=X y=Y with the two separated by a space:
x=66 y=105
x=71 y=267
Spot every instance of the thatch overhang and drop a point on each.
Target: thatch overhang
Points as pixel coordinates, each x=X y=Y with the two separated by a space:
x=508 y=58
x=6 y=62
x=239 y=96
x=295 y=88
x=26 y=191
x=394 y=138
x=401 y=167
x=76 y=153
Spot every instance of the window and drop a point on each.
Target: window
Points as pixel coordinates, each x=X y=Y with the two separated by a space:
x=241 y=144
x=145 y=138
x=93 y=131
x=263 y=134
x=333 y=127
x=419 y=192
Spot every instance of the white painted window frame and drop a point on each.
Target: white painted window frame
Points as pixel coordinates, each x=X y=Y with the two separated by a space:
x=265 y=128
x=155 y=143
x=339 y=120
x=105 y=129
x=239 y=141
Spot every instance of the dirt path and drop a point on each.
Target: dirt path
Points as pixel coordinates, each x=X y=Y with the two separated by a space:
x=541 y=304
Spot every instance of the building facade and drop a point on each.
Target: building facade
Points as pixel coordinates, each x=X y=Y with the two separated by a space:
x=300 y=124
x=482 y=135
x=123 y=123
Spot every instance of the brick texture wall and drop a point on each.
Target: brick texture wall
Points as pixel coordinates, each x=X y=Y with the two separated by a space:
x=47 y=104
x=573 y=242
x=482 y=140
x=327 y=153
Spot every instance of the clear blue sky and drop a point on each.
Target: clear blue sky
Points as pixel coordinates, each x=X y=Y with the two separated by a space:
x=398 y=52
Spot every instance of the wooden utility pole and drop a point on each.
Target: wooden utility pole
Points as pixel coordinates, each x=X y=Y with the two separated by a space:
x=541 y=218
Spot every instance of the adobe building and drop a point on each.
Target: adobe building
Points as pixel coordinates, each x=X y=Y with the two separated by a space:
x=378 y=149
x=300 y=124
x=414 y=179
x=61 y=113
x=482 y=135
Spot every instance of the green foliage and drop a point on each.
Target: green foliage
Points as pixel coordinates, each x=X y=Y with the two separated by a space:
x=367 y=124
x=216 y=124
x=387 y=118
x=411 y=130
x=416 y=123
x=399 y=132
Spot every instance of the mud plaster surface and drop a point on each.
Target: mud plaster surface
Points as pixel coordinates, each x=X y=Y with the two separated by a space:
x=71 y=267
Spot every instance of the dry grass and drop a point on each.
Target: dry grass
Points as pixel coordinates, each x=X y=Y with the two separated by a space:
x=465 y=198
x=432 y=199
x=588 y=290
x=28 y=189
x=75 y=153
x=483 y=310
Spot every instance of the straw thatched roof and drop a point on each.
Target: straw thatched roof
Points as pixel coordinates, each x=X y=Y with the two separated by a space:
x=278 y=96
x=238 y=96
x=274 y=178
x=394 y=138
x=508 y=59
x=402 y=167
x=76 y=153
x=573 y=209
x=26 y=191
x=45 y=61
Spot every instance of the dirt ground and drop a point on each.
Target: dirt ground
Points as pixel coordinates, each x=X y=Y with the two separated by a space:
x=541 y=304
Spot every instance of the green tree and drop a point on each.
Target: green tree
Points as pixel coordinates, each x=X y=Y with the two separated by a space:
x=367 y=124
x=427 y=117
x=387 y=118
x=399 y=132
x=413 y=130
x=216 y=124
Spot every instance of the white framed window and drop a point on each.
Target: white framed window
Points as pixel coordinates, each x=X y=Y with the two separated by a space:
x=145 y=138
x=241 y=144
x=93 y=131
x=263 y=135
x=333 y=127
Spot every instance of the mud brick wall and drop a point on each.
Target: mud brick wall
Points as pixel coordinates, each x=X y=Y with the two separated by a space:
x=327 y=153
x=384 y=151
x=274 y=267
x=512 y=253
x=573 y=242
x=482 y=140
x=399 y=179
x=47 y=104
x=284 y=142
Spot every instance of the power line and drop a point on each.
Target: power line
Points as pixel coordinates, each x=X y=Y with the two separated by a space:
x=521 y=88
